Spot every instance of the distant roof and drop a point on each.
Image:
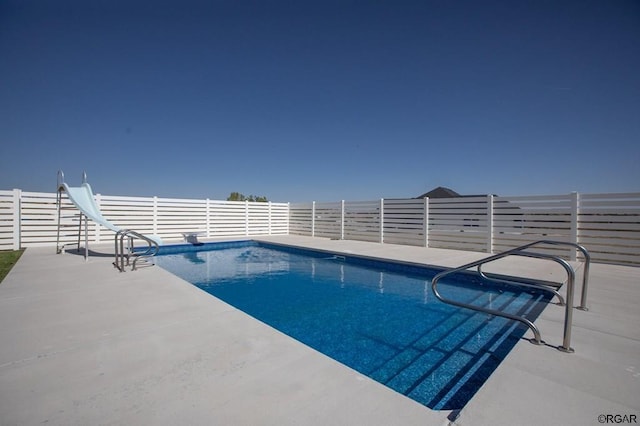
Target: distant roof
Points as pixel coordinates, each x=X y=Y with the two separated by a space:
x=443 y=192
x=440 y=192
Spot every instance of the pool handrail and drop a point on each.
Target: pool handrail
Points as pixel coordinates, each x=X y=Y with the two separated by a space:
x=540 y=286
x=585 y=271
x=520 y=251
x=152 y=248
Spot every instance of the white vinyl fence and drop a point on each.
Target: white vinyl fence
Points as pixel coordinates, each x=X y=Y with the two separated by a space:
x=30 y=219
x=608 y=225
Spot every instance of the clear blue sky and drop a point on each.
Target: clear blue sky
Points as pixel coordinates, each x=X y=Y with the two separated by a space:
x=321 y=100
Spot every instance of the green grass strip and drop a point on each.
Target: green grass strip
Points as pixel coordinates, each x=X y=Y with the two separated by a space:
x=7 y=260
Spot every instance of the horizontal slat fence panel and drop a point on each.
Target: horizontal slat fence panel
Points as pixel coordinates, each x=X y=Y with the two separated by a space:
x=328 y=217
x=258 y=218
x=228 y=218
x=609 y=226
x=37 y=218
x=404 y=221
x=521 y=220
x=279 y=219
x=362 y=220
x=8 y=225
x=135 y=213
x=175 y=216
x=301 y=219
x=459 y=223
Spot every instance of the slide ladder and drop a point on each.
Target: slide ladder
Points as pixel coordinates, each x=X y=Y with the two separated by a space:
x=521 y=251
x=83 y=199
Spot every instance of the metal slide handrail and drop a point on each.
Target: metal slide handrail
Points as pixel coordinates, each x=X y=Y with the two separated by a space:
x=60 y=178
x=120 y=255
x=61 y=247
x=520 y=251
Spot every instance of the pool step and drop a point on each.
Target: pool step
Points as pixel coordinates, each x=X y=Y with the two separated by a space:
x=481 y=359
x=450 y=320
x=422 y=372
x=413 y=350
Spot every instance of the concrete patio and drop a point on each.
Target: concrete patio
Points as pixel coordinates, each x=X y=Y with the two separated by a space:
x=83 y=344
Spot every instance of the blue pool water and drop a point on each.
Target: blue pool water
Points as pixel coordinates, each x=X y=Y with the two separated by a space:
x=378 y=318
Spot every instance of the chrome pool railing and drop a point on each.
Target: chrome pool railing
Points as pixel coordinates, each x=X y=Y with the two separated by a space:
x=520 y=251
x=120 y=254
x=587 y=263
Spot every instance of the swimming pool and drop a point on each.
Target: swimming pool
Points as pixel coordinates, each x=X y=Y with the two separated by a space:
x=379 y=318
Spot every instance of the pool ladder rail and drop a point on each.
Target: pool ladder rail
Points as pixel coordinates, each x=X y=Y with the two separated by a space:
x=521 y=251
x=124 y=252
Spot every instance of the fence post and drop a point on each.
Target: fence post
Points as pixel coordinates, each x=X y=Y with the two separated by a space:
x=269 y=218
x=575 y=205
x=489 y=223
x=96 y=224
x=17 y=200
x=155 y=215
x=207 y=212
x=381 y=220
x=246 y=218
x=342 y=219
x=313 y=218
x=425 y=225
x=288 y=217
